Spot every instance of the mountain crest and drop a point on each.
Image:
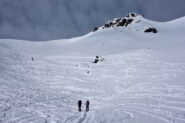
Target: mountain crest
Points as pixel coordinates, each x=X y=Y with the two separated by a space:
x=137 y=21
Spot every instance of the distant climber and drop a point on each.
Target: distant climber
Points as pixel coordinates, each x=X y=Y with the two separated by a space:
x=87 y=105
x=32 y=59
x=79 y=105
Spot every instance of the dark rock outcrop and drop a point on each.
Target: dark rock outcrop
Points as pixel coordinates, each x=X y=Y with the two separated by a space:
x=107 y=25
x=153 y=30
x=133 y=15
x=97 y=59
x=119 y=22
x=124 y=22
x=128 y=21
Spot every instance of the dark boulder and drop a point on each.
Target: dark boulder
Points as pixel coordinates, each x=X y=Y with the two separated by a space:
x=122 y=22
x=107 y=25
x=129 y=21
x=111 y=23
x=96 y=60
x=153 y=30
x=133 y=15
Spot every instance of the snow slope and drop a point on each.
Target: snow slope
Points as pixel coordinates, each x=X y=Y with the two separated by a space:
x=140 y=80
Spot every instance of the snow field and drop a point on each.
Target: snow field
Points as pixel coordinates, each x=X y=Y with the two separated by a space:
x=47 y=89
x=141 y=79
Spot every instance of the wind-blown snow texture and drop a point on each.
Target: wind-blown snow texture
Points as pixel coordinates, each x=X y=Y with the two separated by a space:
x=56 y=19
x=140 y=80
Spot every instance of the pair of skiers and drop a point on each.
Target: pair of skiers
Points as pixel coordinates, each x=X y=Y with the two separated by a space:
x=80 y=105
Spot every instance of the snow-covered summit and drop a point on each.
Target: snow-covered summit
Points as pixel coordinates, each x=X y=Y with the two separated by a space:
x=133 y=21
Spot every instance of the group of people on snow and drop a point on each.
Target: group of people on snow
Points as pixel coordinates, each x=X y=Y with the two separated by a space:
x=79 y=101
x=80 y=105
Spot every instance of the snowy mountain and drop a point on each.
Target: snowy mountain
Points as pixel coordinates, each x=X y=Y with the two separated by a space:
x=56 y=19
x=127 y=74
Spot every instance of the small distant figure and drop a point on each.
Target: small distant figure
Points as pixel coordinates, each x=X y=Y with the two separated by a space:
x=32 y=59
x=79 y=105
x=87 y=105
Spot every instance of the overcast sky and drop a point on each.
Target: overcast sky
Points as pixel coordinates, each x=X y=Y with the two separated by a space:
x=55 y=19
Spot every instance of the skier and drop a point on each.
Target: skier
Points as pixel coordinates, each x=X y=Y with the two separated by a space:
x=32 y=59
x=79 y=105
x=87 y=105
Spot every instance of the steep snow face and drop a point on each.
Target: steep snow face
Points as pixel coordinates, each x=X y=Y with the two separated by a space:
x=139 y=77
x=56 y=19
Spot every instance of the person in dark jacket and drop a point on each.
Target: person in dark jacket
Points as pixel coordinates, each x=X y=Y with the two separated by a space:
x=87 y=105
x=79 y=105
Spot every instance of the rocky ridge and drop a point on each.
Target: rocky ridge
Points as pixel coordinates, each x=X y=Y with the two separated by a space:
x=136 y=20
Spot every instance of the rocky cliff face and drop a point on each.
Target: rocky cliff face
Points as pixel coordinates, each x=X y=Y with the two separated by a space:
x=54 y=19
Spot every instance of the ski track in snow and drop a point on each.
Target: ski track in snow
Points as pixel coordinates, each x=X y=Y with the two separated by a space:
x=46 y=90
